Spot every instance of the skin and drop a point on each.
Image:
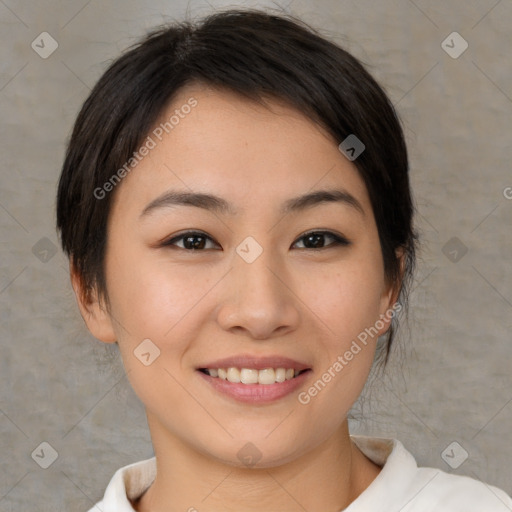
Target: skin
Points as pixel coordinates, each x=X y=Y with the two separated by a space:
x=198 y=306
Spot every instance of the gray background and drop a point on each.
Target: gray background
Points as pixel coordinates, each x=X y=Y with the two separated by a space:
x=450 y=375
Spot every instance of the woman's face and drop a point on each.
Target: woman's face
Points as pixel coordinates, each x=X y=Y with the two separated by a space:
x=254 y=289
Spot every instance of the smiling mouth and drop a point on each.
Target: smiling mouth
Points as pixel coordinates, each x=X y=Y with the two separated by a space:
x=265 y=376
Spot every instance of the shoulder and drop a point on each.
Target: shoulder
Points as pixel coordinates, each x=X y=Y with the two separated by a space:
x=127 y=484
x=402 y=485
x=435 y=490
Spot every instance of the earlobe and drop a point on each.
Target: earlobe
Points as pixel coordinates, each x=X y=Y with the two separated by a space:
x=386 y=313
x=94 y=314
x=391 y=294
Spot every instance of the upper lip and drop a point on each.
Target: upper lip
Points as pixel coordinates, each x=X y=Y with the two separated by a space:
x=256 y=362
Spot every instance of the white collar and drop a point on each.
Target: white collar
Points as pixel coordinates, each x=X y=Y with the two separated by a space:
x=130 y=482
x=400 y=485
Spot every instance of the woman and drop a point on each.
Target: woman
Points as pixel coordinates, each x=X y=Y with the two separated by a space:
x=236 y=208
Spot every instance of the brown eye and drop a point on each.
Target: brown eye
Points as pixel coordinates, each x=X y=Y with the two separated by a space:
x=198 y=241
x=316 y=240
x=192 y=241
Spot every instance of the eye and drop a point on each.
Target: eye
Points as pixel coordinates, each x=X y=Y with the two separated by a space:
x=197 y=241
x=192 y=240
x=315 y=240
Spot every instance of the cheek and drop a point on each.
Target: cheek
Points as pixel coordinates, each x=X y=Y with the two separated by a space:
x=150 y=296
x=346 y=297
x=346 y=307
x=156 y=302
x=347 y=301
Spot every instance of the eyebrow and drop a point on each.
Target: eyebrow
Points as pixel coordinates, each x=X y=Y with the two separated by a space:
x=219 y=205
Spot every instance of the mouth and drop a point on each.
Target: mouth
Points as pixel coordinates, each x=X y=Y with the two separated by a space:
x=254 y=380
x=248 y=376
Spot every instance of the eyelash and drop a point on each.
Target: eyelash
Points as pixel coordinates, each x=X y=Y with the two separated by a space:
x=338 y=240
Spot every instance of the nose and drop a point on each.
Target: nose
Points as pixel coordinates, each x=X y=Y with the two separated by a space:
x=259 y=300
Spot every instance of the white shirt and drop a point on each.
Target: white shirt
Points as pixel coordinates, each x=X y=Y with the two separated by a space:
x=401 y=486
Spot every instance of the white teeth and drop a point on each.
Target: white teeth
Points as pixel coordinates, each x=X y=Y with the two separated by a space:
x=233 y=375
x=267 y=376
x=253 y=376
x=248 y=376
x=280 y=375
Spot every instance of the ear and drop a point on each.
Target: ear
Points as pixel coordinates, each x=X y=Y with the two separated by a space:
x=390 y=296
x=95 y=315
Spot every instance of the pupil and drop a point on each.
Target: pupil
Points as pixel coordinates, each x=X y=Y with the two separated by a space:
x=197 y=245
x=315 y=237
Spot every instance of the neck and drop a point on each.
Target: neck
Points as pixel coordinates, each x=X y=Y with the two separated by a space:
x=328 y=478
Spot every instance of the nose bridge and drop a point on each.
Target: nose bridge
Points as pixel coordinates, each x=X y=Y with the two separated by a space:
x=255 y=267
x=258 y=299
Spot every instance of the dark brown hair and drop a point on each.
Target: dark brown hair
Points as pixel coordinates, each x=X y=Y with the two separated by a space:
x=255 y=54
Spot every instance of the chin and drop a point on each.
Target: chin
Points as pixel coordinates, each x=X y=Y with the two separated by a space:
x=256 y=452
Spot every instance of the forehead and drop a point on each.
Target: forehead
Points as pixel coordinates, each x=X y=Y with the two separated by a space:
x=236 y=148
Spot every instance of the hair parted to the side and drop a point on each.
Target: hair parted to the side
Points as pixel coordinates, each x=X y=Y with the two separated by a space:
x=260 y=56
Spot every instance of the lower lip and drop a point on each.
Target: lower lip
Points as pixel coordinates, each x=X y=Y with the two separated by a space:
x=256 y=393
